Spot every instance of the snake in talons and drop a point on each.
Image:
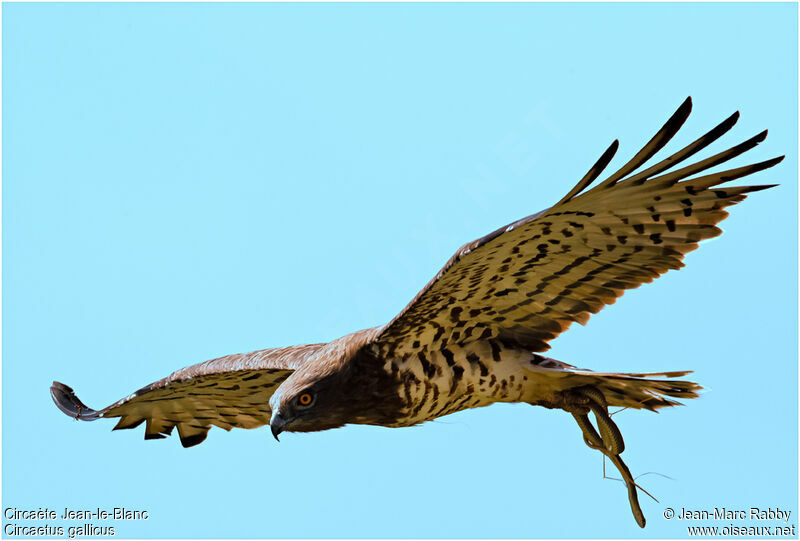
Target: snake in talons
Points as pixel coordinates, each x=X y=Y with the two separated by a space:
x=608 y=441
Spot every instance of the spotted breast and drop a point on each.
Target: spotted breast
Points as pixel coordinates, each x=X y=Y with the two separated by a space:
x=436 y=382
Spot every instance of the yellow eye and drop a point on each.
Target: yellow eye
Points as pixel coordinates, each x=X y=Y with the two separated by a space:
x=305 y=399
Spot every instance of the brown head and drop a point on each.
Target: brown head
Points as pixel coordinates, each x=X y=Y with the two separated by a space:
x=343 y=383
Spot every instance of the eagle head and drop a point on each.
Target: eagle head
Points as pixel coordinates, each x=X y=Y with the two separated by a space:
x=340 y=384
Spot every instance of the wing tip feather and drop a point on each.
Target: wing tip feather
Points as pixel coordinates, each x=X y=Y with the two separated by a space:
x=594 y=172
x=685 y=108
x=65 y=400
x=678 y=118
x=751 y=189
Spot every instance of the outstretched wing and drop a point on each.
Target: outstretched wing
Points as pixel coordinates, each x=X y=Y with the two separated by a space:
x=525 y=283
x=228 y=392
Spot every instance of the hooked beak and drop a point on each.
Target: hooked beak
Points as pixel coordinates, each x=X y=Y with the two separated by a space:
x=276 y=424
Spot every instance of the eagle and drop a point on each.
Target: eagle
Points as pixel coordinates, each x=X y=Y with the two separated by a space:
x=475 y=334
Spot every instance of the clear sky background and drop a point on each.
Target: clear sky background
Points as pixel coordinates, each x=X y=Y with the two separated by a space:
x=184 y=181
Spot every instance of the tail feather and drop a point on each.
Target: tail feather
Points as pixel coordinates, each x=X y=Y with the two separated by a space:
x=649 y=391
x=643 y=391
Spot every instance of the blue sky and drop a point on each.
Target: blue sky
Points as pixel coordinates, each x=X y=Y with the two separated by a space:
x=184 y=181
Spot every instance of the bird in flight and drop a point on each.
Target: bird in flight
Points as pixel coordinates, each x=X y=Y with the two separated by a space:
x=475 y=333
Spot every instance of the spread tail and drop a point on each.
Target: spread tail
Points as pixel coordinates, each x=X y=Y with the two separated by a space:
x=635 y=390
x=642 y=391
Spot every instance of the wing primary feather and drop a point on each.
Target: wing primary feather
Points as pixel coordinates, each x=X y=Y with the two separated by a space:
x=593 y=173
x=716 y=159
x=751 y=189
x=733 y=174
x=655 y=144
x=67 y=402
x=686 y=152
x=754 y=168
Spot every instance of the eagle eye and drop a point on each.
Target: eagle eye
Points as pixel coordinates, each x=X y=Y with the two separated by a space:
x=305 y=399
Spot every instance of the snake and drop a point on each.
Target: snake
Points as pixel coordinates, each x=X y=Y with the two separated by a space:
x=609 y=442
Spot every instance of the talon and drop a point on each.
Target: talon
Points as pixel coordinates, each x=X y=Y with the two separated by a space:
x=596 y=396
